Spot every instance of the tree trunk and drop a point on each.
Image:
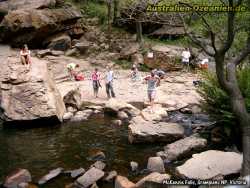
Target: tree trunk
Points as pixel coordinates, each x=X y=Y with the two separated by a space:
x=139 y=37
x=246 y=149
x=116 y=7
x=230 y=84
x=109 y=6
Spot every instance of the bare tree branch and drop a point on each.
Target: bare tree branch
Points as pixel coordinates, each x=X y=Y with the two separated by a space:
x=244 y=53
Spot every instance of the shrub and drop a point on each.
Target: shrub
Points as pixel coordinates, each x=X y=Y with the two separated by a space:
x=217 y=102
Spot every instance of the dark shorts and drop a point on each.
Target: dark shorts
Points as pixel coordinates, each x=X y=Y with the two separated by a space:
x=96 y=84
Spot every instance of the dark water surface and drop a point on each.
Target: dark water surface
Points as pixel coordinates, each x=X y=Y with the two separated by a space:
x=69 y=146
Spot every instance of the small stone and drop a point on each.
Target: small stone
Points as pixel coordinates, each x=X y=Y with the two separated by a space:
x=67 y=116
x=111 y=176
x=154 y=177
x=122 y=115
x=134 y=166
x=75 y=173
x=99 y=164
x=98 y=156
x=123 y=182
x=52 y=174
x=156 y=164
x=94 y=186
x=17 y=177
x=116 y=122
x=90 y=177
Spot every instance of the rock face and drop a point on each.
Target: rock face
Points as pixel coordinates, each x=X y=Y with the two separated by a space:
x=211 y=164
x=90 y=177
x=154 y=177
x=26 y=4
x=33 y=26
x=182 y=147
x=29 y=95
x=165 y=58
x=60 y=42
x=123 y=182
x=141 y=130
x=156 y=164
x=17 y=177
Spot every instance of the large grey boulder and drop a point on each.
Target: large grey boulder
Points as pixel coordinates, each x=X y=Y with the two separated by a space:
x=183 y=147
x=17 y=177
x=211 y=164
x=33 y=26
x=141 y=130
x=90 y=177
x=29 y=95
x=153 y=178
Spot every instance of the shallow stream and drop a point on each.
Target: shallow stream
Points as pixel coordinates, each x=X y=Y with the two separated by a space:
x=70 y=146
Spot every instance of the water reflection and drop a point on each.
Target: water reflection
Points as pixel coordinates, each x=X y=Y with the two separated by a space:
x=42 y=149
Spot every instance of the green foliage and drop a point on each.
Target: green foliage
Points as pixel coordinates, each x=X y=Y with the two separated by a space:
x=217 y=102
x=124 y=64
x=93 y=9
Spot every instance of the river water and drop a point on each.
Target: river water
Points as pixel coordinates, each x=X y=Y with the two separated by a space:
x=69 y=146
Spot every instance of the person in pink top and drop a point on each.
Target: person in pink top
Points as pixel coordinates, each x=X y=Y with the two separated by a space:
x=96 y=82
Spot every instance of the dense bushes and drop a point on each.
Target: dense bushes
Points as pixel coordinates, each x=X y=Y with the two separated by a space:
x=217 y=102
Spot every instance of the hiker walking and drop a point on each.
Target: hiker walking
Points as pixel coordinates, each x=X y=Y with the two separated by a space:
x=96 y=82
x=109 y=83
x=25 y=56
x=153 y=81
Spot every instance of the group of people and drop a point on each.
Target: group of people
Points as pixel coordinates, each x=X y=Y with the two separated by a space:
x=95 y=77
x=186 y=56
x=153 y=81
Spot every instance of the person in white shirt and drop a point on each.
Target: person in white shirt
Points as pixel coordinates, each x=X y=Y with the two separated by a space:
x=185 y=56
x=109 y=83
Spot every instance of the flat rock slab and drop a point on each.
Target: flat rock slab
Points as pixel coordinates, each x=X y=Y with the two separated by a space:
x=90 y=177
x=182 y=147
x=211 y=164
x=154 y=177
x=141 y=131
x=155 y=114
x=52 y=174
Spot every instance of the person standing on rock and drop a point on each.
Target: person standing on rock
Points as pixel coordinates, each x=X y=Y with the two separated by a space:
x=186 y=57
x=71 y=67
x=109 y=83
x=96 y=82
x=153 y=81
x=25 y=56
